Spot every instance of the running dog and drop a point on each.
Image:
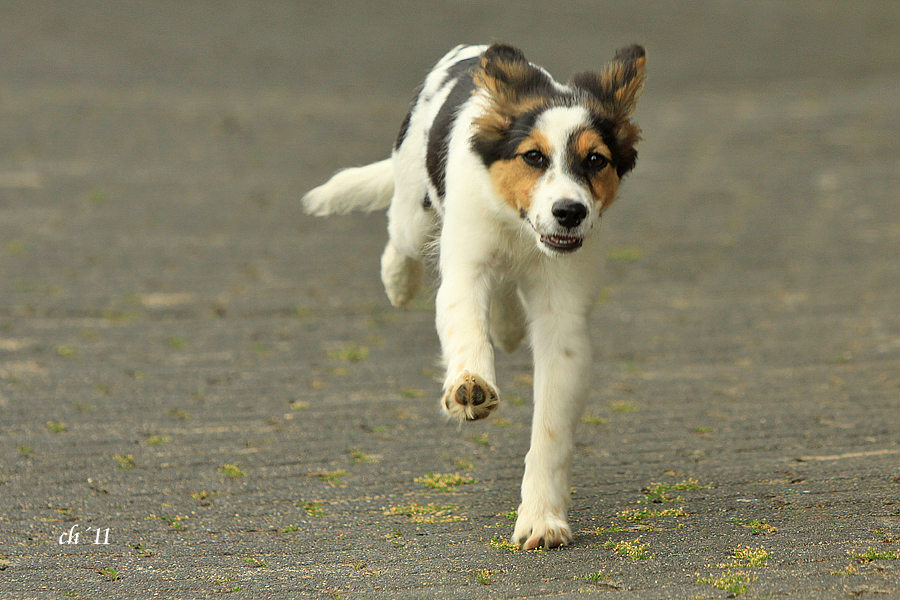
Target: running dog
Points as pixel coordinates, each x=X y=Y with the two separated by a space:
x=503 y=173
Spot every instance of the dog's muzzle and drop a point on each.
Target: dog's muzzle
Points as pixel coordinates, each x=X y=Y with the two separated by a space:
x=562 y=243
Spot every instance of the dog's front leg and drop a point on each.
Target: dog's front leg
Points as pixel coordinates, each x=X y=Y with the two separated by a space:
x=562 y=359
x=461 y=308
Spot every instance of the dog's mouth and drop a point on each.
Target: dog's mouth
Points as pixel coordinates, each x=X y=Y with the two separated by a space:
x=562 y=243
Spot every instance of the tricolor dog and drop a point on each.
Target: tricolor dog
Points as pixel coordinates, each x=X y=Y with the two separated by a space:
x=503 y=173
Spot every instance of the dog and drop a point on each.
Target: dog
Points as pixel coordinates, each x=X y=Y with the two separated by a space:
x=504 y=174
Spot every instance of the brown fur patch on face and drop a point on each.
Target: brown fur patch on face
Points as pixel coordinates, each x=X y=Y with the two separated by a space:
x=604 y=187
x=512 y=88
x=514 y=179
x=603 y=184
x=494 y=124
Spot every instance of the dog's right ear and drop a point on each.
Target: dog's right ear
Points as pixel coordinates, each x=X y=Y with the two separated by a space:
x=510 y=85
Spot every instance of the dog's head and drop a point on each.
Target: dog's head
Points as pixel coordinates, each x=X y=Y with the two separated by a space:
x=555 y=153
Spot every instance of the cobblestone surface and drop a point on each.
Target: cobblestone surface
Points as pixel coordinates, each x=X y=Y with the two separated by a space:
x=213 y=383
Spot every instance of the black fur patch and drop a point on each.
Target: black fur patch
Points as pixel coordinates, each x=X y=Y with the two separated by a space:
x=504 y=148
x=623 y=157
x=404 y=128
x=439 y=134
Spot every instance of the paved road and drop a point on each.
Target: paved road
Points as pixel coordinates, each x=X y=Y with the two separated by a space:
x=213 y=383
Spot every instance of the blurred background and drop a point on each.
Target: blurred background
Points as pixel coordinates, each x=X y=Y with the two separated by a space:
x=168 y=312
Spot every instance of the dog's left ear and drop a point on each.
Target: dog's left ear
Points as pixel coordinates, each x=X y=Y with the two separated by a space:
x=616 y=90
x=618 y=86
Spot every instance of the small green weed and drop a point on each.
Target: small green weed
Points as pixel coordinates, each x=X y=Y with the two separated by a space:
x=176 y=342
x=630 y=549
x=15 y=248
x=623 y=407
x=733 y=582
x=598 y=576
x=110 y=573
x=614 y=528
x=637 y=515
x=56 y=426
x=394 y=538
x=180 y=414
x=481 y=440
x=625 y=253
x=889 y=538
x=350 y=353
x=444 y=482
x=357 y=456
x=225 y=580
x=313 y=509
x=425 y=513
x=594 y=420
x=174 y=522
x=498 y=542
x=483 y=577
x=463 y=464
x=515 y=400
x=758 y=527
x=333 y=478
x=232 y=471
x=848 y=570
x=873 y=554
x=97 y=197
x=411 y=392
x=655 y=493
x=254 y=563
x=126 y=461
x=744 y=556
x=65 y=351
x=204 y=497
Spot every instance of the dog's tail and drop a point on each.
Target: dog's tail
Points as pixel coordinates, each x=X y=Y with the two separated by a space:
x=359 y=188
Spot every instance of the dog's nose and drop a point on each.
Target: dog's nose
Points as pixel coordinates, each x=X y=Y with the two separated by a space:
x=569 y=213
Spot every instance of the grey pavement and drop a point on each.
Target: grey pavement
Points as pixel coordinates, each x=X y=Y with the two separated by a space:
x=214 y=383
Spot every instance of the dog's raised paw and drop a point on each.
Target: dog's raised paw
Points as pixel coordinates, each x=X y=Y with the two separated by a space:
x=470 y=398
x=547 y=532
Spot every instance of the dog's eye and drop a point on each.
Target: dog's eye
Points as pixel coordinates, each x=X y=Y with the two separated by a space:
x=535 y=158
x=595 y=161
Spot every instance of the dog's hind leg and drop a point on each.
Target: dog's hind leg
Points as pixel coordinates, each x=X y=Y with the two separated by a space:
x=401 y=274
x=411 y=225
x=507 y=317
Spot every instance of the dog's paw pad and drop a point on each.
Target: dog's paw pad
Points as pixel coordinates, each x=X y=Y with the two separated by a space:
x=470 y=398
